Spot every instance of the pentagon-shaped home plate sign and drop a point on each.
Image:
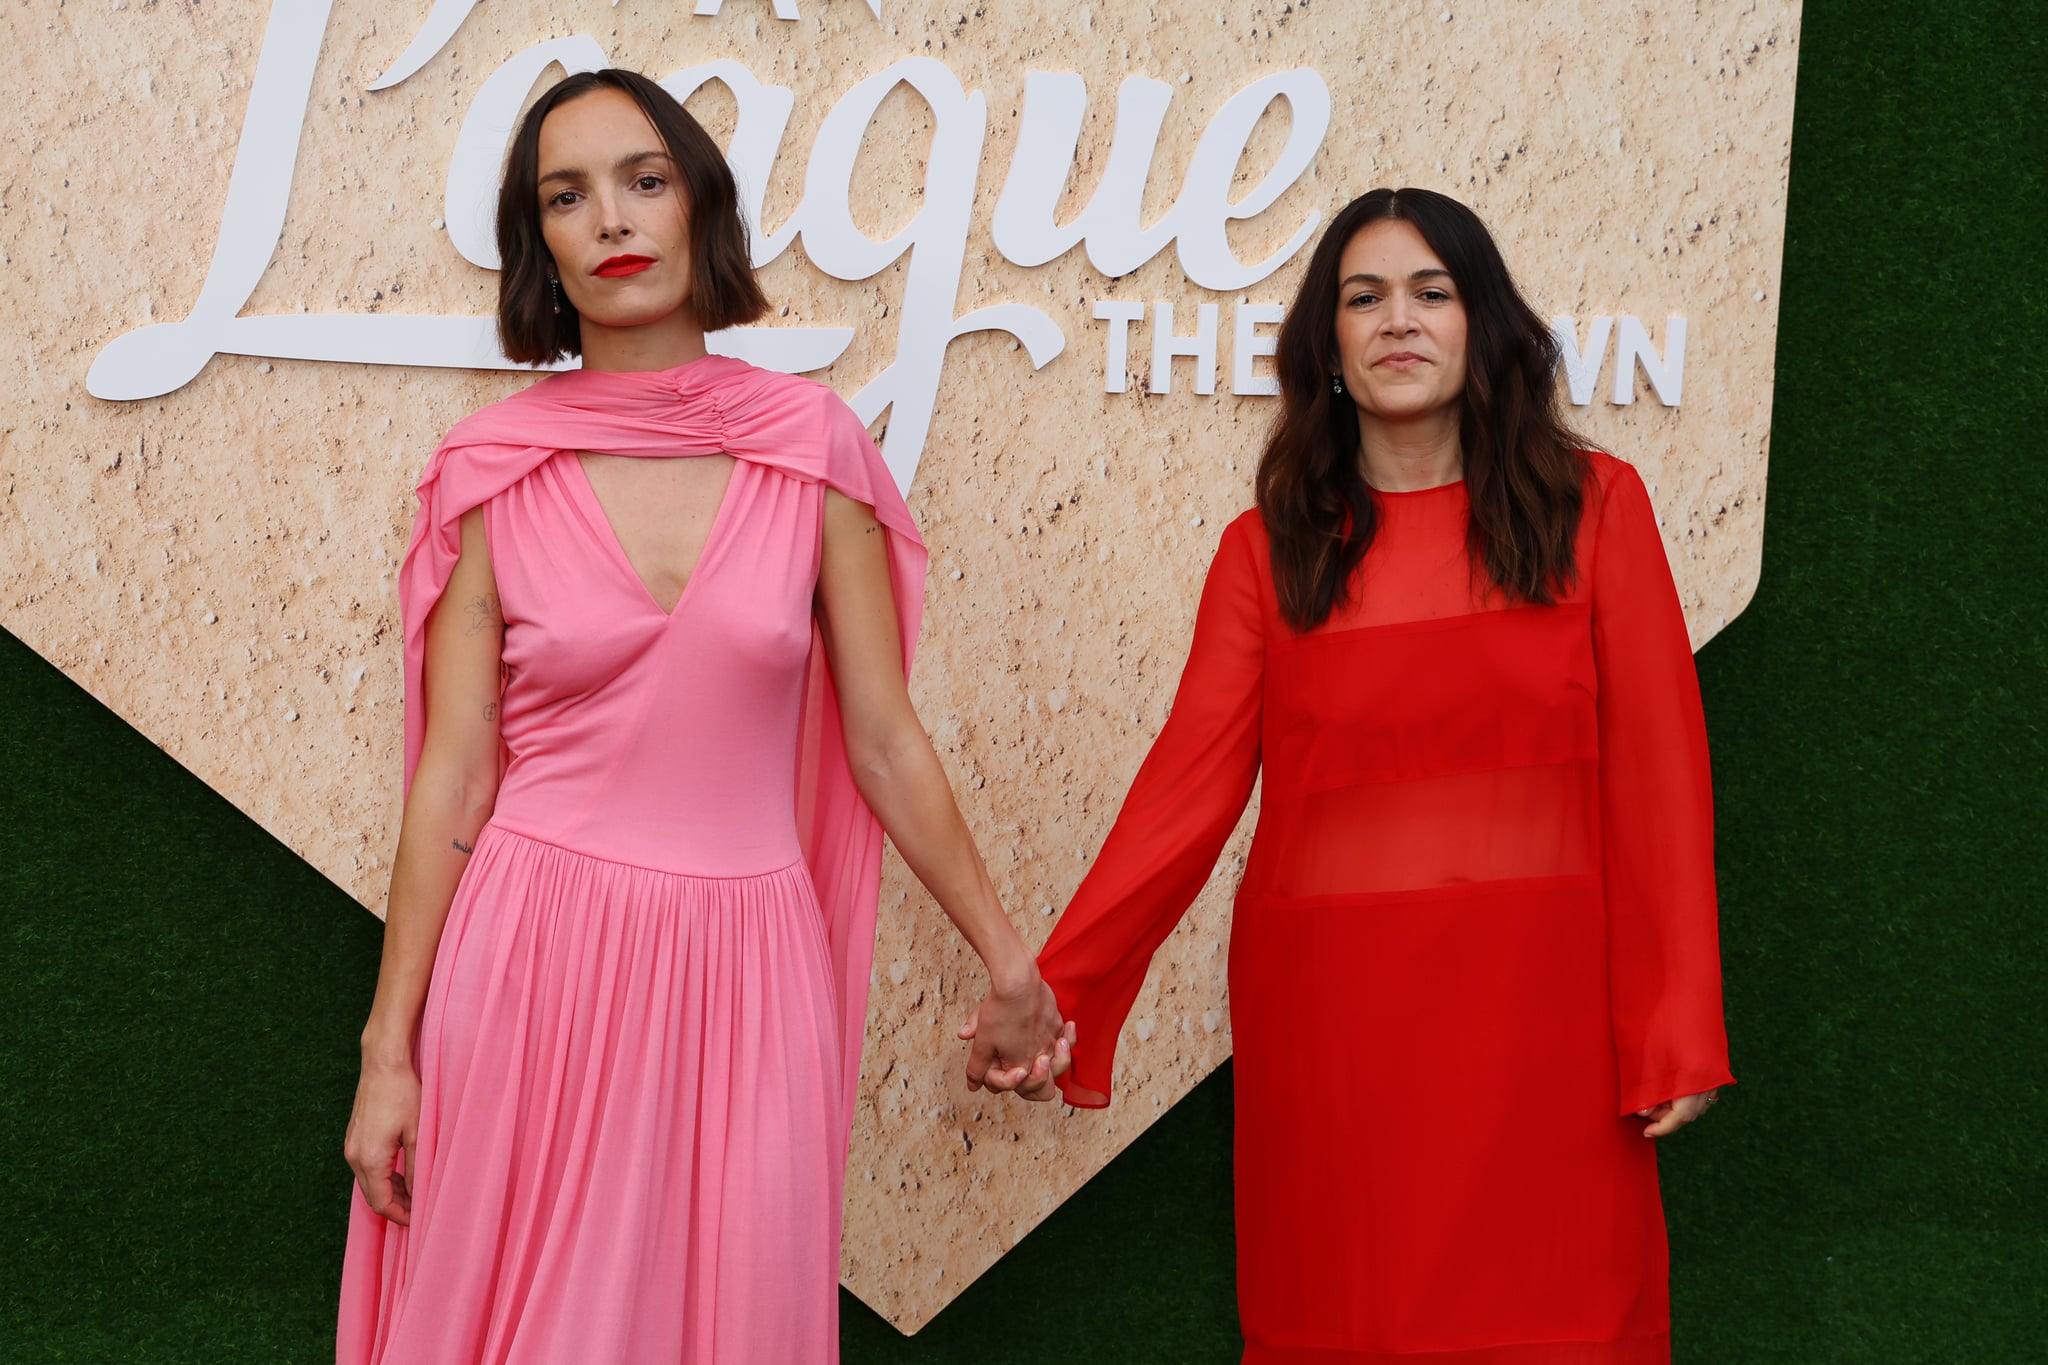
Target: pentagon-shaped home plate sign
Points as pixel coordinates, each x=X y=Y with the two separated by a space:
x=250 y=284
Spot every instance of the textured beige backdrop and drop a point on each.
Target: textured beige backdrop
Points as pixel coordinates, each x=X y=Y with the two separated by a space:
x=218 y=564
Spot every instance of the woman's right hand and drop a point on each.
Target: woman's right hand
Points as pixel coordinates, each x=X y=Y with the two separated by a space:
x=1019 y=1045
x=385 y=1122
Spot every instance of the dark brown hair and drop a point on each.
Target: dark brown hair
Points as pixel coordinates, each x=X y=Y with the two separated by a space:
x=723 y=291
x=1524 y=472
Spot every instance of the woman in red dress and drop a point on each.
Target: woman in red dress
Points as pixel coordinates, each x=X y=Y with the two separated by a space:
x=1473 y=963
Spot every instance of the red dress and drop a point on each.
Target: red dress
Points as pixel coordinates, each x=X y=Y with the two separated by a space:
x=1476 y=933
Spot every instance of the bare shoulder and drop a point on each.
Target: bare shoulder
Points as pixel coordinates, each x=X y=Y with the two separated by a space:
x=852 y=543
x=476 y=543
x=472 y=592
x=847 y=512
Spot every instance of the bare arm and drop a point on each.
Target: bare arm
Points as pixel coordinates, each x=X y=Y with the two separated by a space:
x=899 y=776
x=453 y=791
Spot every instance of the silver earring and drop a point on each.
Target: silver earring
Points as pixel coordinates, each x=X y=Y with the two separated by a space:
x=1336 y=383
x=555 y=289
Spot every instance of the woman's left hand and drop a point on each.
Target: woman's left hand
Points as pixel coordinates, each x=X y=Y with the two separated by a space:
x=1018 y=1042
x=1672 y=1115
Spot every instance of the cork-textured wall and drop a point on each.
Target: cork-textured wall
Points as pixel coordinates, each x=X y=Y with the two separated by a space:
x=217 y=563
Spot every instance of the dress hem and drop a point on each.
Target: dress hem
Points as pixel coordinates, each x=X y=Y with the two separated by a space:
x=1653 y=1349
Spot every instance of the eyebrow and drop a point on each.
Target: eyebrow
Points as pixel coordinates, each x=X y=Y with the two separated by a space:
x=1431 y=273
x=624 y=163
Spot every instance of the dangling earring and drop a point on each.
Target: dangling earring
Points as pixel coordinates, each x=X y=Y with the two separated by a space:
x=1336 y=382
x=555 y=289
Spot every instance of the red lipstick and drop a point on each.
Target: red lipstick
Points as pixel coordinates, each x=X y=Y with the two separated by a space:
x=623 y=265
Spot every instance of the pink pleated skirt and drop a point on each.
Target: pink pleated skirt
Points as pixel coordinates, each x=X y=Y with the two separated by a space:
x=628 y=1145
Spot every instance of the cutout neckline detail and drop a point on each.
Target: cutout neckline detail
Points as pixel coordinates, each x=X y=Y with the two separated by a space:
x=617 y=544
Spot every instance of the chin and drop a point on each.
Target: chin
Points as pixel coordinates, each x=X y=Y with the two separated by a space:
x=635 y=317
x=1404 y=408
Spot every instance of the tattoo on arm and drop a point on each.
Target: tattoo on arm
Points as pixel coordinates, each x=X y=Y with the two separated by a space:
x=483 y=613
x=491 y=711
x=466 y=848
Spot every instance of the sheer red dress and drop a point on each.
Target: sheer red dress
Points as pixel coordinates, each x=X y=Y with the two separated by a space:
x=1476 y=933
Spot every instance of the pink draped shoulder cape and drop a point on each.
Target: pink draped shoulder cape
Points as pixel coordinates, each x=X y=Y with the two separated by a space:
x=715 y=405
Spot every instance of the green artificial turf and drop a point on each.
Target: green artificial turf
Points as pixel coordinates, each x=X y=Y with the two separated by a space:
x=1873 y=1189
x=183 y=993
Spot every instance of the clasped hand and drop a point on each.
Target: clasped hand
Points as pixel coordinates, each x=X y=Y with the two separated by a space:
x=1017 y=1042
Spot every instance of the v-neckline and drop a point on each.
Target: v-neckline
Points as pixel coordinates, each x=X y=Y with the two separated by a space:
x=618 y=547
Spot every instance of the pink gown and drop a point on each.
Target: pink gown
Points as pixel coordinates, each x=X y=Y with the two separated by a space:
x=638 y=1049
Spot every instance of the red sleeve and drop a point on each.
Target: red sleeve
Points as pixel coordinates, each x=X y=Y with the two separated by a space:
x=1181 y=809
x=1657 y=815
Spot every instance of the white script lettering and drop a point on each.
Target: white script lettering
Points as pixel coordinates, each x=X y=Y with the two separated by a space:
x=153 y=360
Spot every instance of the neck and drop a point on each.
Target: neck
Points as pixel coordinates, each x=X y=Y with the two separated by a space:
x=674 y=340
x=1406 y=454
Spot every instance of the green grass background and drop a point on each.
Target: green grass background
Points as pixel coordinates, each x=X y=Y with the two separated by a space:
x=182 y=994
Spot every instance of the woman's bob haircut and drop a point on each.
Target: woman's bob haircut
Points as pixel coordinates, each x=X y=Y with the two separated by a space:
x=1524 y=470
x=723 y=291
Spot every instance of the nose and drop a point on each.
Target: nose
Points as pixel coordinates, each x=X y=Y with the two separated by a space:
x=611 y=218
x=1397 y=320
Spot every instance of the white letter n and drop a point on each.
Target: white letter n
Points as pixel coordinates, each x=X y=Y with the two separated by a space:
x=1667 y=373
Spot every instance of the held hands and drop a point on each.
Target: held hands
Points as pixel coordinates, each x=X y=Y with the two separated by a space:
x=385 y=1121
x=1672 y=1115
x=1017 y=1041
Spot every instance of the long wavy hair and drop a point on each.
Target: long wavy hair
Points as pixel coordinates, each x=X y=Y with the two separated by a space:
x=1524 y=470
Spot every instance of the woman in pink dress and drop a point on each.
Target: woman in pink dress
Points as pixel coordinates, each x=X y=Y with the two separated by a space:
x=658 y=615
